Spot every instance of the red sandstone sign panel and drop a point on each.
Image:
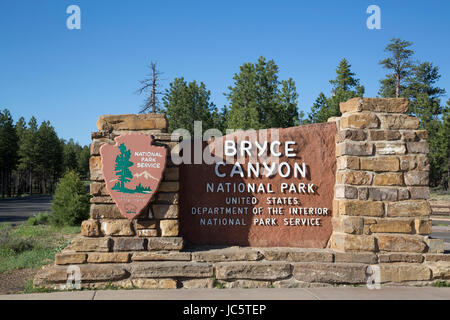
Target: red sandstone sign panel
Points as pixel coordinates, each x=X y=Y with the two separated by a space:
x=132 y=169
x=284 y=200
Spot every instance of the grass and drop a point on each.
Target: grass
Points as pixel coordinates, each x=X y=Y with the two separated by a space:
x=441 y=284
x=29 y=246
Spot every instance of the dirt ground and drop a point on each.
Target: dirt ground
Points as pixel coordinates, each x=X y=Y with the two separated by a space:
x=14 y=281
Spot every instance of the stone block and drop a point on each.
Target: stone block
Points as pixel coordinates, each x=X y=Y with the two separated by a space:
x=98 y=189
x=435 y=245
x=165 y=211
x=352 y=134
x=388 y=179
x=154 y=283
x=355 y=257
x=117 y=227
x=108 y=257
x=409 y=136
x=401 y=272
x=361 y=208
x=380 y=164
x=360 y=121
x=297 y=255
x=132 y=122
x=252 y=270
x=161 y=256
x=386 y=105
x=383 y=194
x=349 y=242
x=398 y=122
x=147 y=233
x=387 y=135
x=400 y=243
x=390 y=148
x=419 y=192
x=348 y=224
x=408 y=208
x=82 y=244
x=354 y=177
x=170 y=269
x=169 y=228
x=436 y=257
x=354 y=149
x=440 y=270
x=169 y=186
x=95 y=168
x=422 y=226
x=417 y=178
x=229 y=254
x=140 y=224
x=418 y=147
x=105 y=211
x=348 y=162
x=70 y=258
x=392 y=226
x=97 y=143
x=168 y=197
x=129 y=244
x=400 y=257
x=198 y=283
x=346 y=192
x=337 y=273
x=89 y=272
x=165 y=243
x=90 y=228
x=171 y=174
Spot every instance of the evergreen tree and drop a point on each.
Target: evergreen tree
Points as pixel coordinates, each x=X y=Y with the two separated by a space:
x=8 y=150
x=344 y=87
x=70 y=205
x=257 y=101
x=49 y=155
x=83 y=162
x=28 y=154
x=188 y=102
x=401 y=67
x=122 y=168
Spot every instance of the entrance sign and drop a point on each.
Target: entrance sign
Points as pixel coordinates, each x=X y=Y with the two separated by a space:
x=283 y=199
x=132 y=169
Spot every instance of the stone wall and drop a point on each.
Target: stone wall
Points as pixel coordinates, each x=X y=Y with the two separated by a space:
x=381 y=217
x=381 y=186
x=107 y=231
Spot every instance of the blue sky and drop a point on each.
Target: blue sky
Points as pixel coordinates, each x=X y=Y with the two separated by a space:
x=70 y=77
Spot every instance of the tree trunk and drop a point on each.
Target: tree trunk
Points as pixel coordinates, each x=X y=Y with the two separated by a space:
x=30 y=175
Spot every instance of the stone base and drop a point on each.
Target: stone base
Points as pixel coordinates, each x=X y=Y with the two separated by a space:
x=237 y=267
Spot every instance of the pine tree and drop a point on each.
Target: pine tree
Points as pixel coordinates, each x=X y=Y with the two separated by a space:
x=8 y=150
x=151 y=85
x=257 y=101
x=344 y=87
x=401 y=67
x=70 y=205
x=188 y=102
x=28 y=154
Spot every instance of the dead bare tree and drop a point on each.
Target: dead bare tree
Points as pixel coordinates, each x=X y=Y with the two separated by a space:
x=151 y=85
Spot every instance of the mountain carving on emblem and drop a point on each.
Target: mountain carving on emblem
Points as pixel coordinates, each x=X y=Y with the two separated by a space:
x=145 y=175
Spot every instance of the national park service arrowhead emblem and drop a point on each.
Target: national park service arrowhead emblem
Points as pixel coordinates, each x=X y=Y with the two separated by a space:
x=133 y=170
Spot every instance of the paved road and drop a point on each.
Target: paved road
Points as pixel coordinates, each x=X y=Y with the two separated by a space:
x=346 y=293
x=17 y=211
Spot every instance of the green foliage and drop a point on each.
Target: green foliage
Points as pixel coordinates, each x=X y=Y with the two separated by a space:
x=122 y=168
x=345 y=87
x=41 y=218
x=188 y=102
x=417 y=82
x=441 y=284
x=70 y=204
x=401 y=67
x=259 y=100
x=27 y=246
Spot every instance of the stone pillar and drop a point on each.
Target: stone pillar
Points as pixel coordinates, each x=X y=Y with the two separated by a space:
x=381 y=190
x=107 y=230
